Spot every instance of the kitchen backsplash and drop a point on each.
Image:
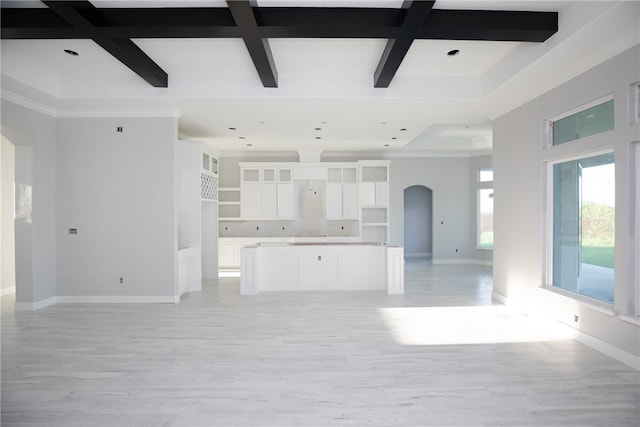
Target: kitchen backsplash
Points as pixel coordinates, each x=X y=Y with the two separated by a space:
x=286 y=229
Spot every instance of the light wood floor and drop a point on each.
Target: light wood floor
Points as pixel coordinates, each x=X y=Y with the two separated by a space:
x=441 y=355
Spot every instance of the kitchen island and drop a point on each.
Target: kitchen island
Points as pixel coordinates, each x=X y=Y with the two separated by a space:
x=321 y=266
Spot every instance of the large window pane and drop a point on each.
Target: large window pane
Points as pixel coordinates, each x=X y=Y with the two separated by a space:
x=485 y=218
x=584 y=226
x=585 y=123
x=485 y=175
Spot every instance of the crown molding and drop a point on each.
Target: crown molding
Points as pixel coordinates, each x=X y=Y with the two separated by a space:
x=27 y=103
x=174 y=113
x=70 y=113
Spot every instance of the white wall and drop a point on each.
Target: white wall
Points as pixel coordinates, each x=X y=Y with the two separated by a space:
x=209 y=228
x=119 y=191
x=519 y=201
x=7 y=230
x=33 y=134
x=448 y=178
x=190 y=213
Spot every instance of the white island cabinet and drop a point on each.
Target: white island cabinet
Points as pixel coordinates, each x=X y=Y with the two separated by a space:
x=321 y=267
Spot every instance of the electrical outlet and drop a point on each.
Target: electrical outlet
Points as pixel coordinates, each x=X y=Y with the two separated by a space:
x=575 y=318
x=122 y=280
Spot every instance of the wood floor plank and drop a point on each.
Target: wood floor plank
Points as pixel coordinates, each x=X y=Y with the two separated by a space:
x=307 y=359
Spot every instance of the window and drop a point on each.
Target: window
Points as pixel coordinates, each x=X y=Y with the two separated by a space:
x=586 y=122
x=584 y=226
x=485 y=175
x=485 y=218
x=485 y=209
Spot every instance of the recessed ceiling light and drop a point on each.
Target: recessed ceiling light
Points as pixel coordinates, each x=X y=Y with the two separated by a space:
x=403 y=129
x=453 y=52
x=394 y=137
x=386 y=145
x=249 y=145
x=318 y=137
x=71 y=52
x=241 y=137
x=232 y=128
x=317 y=129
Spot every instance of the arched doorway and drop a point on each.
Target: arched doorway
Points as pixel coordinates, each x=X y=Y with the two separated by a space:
x=418 y=222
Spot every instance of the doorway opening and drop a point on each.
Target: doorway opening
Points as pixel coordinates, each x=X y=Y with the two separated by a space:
x=418 y=222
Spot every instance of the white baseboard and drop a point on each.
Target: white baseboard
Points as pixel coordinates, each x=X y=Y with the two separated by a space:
x=7 y=291
x=498 y=298
x=462 y=261
x=37 y=305
x=616 y=353
x=418 y=254
x=98 y=299
x=118 y=299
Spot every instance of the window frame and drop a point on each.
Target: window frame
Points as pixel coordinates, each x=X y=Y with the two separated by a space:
x=548 y=125
x=547 y=278
x=482 y=185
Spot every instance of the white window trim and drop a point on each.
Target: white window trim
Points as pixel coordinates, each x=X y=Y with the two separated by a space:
x=635 y=249
x=634 y=103
x=479 y=218
x=481 y=185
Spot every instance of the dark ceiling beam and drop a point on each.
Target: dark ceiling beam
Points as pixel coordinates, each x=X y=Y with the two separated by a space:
x=257 y=45
x=328 y=22
x=397 y=48
x=122 y=23
x=84 y=17
x=272 y=22
x=489 y=25
x=113 y=29
x=278 y=22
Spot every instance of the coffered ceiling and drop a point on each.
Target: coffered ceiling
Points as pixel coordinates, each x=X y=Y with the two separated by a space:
x=283 y=75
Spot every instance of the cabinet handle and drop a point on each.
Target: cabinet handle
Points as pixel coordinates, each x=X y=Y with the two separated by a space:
x=319 y=258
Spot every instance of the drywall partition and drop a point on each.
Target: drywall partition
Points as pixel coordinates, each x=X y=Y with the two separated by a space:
x=116 y=209
x=7 y=227
x=519 y=181
x=448 y=178
x=33 y=134
x=190 y=214
x=209 y=228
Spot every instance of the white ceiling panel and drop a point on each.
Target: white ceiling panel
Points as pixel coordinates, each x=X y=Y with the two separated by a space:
x=444 y=102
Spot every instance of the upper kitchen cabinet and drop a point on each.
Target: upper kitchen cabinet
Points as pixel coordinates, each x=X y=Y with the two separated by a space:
x=266 y=192
x=374 y=200
x=342 y=192
x=374 y=183
x=285 y=208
